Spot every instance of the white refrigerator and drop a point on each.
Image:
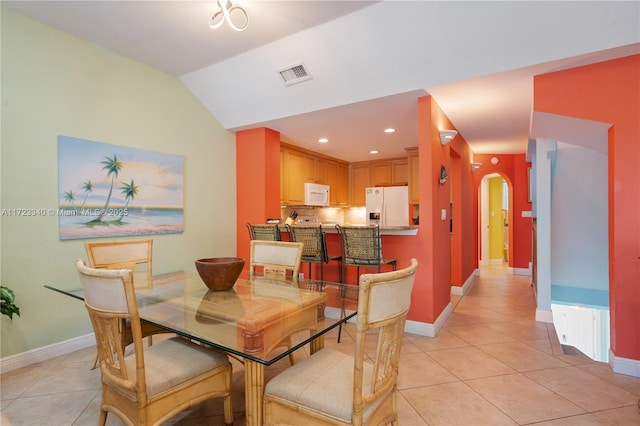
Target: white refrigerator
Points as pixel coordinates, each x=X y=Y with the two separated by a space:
x=387 y=206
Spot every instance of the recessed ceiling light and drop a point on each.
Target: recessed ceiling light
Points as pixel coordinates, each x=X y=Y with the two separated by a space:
x=389 y=130
x=323 y=140
x=373 y=152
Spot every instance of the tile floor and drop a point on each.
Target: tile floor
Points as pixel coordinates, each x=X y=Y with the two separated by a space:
x=491 y=364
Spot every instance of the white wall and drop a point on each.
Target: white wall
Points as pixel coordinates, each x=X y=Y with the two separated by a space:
x=55 y=84
x=579 y=219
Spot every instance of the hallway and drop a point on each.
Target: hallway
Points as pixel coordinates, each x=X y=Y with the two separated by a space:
x=491 y=364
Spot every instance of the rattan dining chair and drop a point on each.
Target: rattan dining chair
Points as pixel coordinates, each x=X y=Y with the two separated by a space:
x=152 y=384
x=135 y=255
x=265 y=232
x=276 y=260
x=333 y=388
x=315 y=246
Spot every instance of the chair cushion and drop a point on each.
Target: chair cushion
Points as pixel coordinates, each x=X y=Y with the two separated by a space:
x=323 y=382
x=174 y=361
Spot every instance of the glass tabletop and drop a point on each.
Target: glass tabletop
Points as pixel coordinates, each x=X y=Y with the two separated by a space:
x=254 y=320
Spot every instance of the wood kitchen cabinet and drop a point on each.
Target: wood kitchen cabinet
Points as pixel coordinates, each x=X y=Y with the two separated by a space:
x=337 y=177
x=392 y=172
x=298 y=166
x=413 y=176
x=360 y=179
x=295 y=173
x=400 y=172
x=381 y=174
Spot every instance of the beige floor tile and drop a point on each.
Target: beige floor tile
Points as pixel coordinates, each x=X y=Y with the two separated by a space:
x=421 y=370
x=542 y=345
x=479 y=334
x=620 y=416
x=603 y=371
x=470 y=363
x=17 y=382
x=444 y=340
x=583 y=389
x=458 y=318
x=521 y=330
x=53 y=409
x=454 y=404
x=521 y=357
x=406 y=413
x=580 y=420
x=523 y=399
x=69 y=377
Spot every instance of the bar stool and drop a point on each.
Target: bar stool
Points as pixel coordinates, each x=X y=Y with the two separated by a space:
x=362 y=248
x=264 y=232
x=315 y=246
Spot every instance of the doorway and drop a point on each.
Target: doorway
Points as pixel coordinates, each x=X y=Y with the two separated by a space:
x=494 y=220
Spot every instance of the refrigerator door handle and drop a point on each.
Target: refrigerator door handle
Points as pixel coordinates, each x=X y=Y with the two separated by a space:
x=383 y=218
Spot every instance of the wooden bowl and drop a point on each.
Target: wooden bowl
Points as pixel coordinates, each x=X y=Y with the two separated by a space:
x=220 y=273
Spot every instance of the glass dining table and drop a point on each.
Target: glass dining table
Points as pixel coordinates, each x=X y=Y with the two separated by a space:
x=254 y=321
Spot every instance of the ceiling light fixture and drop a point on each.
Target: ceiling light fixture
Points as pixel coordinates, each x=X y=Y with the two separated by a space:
x=447 y=136
x=224 y=14
x=475 y=166
x=323 y=140
x=373 y=152
x=389 y=130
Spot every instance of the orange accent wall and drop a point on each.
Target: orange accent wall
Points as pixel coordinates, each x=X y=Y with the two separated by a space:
x=610 y=92
x=257 y=181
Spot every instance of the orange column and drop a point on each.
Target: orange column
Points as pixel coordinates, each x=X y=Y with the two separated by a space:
x=257 y=181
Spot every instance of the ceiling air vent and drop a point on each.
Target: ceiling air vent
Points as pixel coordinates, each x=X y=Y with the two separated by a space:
x=294 y=74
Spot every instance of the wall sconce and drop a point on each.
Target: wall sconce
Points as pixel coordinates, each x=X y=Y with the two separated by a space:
x=475 y=166
x=447 y=136
x=495 y=160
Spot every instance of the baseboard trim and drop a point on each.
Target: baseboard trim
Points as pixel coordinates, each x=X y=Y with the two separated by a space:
x=44 y=353
x=462 y=290
x=626 y=366
x=427 y=329
x=544 y=316
x=522 y=271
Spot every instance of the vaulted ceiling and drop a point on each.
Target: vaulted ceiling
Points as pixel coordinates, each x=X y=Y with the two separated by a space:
x=369 y=61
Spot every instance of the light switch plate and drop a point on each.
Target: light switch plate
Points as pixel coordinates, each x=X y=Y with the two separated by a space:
x=443 y=214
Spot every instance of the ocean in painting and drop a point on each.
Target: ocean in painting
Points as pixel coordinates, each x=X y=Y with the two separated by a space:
x=76 y=223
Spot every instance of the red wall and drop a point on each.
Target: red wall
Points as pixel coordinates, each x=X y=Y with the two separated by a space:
x=610 y=92
x=257 y=182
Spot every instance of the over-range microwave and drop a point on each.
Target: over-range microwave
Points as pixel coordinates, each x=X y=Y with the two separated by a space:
x=316 y=194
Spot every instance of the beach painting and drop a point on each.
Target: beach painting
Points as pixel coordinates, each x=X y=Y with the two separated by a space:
x=107 y=190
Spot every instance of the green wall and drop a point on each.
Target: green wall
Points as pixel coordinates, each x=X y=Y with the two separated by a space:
x=55 y=84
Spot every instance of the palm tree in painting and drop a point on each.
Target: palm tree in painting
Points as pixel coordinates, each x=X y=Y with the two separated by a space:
x=113 y=167
x=87 y=187
x=70 y=197
x=129 y=190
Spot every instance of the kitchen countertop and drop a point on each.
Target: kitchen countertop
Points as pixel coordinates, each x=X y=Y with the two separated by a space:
x=384 y=230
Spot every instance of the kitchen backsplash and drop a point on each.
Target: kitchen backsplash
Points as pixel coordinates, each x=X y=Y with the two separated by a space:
x=327 y=215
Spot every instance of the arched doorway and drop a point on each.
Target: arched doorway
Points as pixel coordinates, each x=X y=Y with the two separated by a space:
x=493 y=215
